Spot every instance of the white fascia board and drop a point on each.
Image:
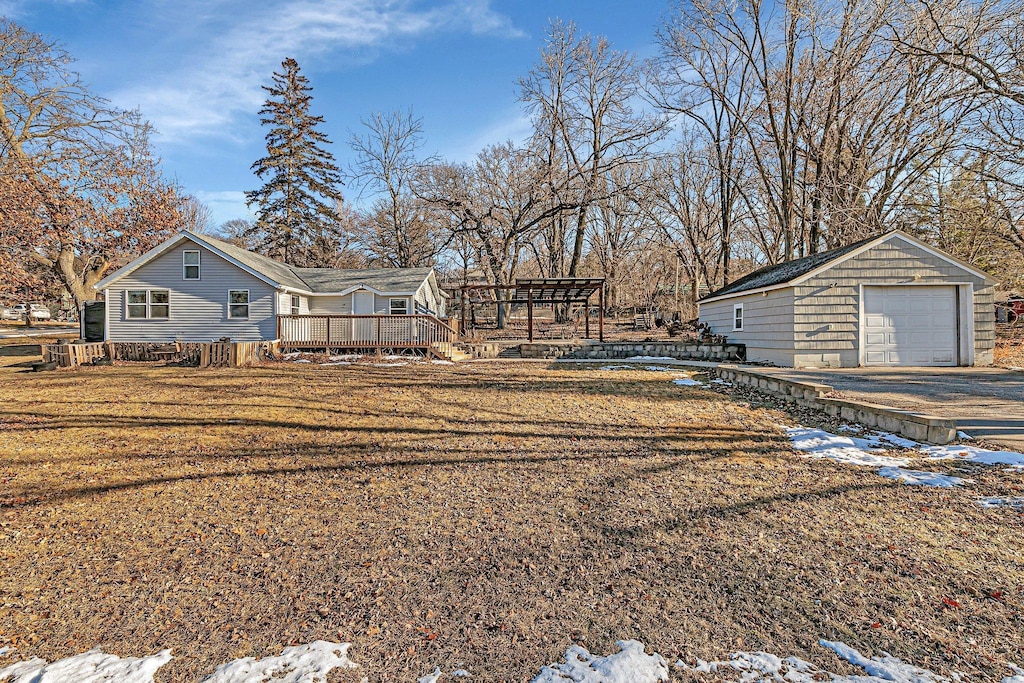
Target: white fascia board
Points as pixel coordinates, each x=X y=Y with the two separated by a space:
x=746 y=292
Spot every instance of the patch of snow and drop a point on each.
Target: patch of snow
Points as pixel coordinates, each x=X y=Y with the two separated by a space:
x=893 y=439
x=650 y=358
x=460 y=673
x=856 y=429
x=346 y=356
x=919 y=478
x=996 y=502
x=302 y=360
x=388 y=365
x=687 y=382
x=441 y=362
x=617 y=367
x=94 y=666
x=340 y=362
x=293 y=354
x=818 y=443
x=762 y=666
x=630 y=665
x=1018 y=676
x=308 y=663
x=660 y=368
x=431 y=678
x=974 y=454
x=4 y=650
x=721 y=382
x=965 y=436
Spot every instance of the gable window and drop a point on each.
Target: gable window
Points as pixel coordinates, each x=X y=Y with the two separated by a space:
x=238 y=303
x=399 y=307
x=737 y=317
x=148 y=303
x=190 y=265
x=295 y=304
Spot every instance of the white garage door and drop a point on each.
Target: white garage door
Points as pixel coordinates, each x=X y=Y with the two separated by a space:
x=910 y=325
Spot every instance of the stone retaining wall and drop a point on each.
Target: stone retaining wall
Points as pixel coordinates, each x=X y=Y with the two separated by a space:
x=614 y=350
x=926 y=428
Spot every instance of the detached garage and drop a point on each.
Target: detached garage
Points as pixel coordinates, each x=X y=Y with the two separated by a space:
x=891 y=300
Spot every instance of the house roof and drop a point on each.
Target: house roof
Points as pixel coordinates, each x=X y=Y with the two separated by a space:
x=395 y=280
x=308 y=280
x=792 y=272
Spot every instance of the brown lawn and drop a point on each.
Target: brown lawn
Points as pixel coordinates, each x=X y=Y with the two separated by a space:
x=483 y=516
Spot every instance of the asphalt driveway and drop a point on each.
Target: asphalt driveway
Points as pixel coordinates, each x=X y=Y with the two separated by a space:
x=987 y=403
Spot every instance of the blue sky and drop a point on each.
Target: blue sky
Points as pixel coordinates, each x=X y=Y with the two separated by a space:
x=194 y=68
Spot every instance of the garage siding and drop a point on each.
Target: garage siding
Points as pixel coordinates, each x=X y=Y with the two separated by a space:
x=767 y=323
x=198 y=308
x=827 y=307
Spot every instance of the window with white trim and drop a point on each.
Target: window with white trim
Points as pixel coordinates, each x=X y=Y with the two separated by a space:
x=737 y=317
x=144 y=304
x=190 y=265
x=399 y=307
x=238 y=304
x=296 y=302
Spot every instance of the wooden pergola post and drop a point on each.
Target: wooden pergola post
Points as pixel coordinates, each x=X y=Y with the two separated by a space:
x=529 y=314
x=600 y=313
x=586 y=316
x=462 y=308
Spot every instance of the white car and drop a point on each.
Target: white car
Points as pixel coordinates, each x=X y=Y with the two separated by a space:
x=39 y=312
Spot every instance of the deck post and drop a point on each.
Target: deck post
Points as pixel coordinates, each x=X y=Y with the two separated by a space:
x=279 y=326
x=586 y=317
x=529 y=314
x=462 y=309
x=600 y=312
x=379 y=318
x=328 y=334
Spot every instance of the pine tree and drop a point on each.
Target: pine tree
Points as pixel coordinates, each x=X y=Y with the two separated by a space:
x=296 y=214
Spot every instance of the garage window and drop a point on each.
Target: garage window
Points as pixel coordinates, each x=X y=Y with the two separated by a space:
x=737 y=318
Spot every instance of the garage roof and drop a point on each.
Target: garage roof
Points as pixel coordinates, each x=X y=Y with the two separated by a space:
x=790 y=273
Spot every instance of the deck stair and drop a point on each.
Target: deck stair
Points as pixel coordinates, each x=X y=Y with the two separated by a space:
x=510 y=352
x=451 y=351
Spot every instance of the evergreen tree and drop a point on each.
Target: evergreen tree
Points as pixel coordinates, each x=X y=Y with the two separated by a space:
x=296 y=217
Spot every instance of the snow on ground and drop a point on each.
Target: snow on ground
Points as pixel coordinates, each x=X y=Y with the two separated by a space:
x=974 y=454
x=660 y=368
x=431 y=678
x=687 y=382
x=869 y=450
x=94 y=666
x=762 y=666
x=850 y=450
x=617 y=367
x=650 y=358
x=996 y=502
x=919 y=478
x=308 y=663
x=630 y=665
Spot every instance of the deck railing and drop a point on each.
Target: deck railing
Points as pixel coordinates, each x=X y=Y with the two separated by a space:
x=363 y=331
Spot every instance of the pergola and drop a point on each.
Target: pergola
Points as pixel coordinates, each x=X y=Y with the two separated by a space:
x=546 y=291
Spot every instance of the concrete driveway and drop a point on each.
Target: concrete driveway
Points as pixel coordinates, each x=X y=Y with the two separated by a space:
x=987 y=403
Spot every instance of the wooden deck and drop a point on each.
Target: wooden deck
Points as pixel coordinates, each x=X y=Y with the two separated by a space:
x=364 y=332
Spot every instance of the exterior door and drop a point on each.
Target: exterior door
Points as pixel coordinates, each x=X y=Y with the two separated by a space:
x=363 y=329
x=910 y=325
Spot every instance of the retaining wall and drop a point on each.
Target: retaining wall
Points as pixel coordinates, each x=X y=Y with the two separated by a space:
x=916 y=426
x=614 y=350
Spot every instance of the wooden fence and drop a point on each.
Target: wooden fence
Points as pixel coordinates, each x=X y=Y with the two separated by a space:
x=204 y=354
x=72 y=355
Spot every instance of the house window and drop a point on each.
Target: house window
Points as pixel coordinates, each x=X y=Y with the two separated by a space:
x=238 y=303
x=295 y=308
x=190 y=265
x=149 y=303
x=399 y=307
x=737 y=318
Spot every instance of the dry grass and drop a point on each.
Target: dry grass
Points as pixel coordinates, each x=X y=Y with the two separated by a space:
x=1009 y=351
x=483 y=516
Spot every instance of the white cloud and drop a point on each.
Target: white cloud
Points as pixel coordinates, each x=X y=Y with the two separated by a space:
x=218 y=76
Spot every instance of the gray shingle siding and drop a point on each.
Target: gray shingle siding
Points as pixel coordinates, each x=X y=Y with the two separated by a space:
x=198 y=308
x=767 y=320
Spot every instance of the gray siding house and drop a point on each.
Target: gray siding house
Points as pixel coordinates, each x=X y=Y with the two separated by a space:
x=890 y=300
x=197 y=288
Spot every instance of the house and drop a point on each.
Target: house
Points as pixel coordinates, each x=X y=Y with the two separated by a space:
x=891 y=300
x=197 y=288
